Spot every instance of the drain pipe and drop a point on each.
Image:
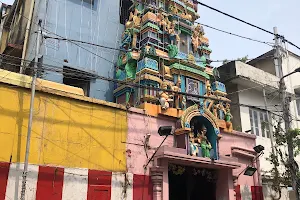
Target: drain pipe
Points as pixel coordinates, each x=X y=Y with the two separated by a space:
x=28 y=26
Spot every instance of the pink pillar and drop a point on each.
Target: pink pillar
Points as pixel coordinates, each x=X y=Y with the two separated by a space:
x=157 y=181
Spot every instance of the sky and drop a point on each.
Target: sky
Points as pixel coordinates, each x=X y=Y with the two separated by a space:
x=266 y=14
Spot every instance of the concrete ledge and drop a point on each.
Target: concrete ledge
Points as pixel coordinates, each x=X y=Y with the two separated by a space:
x=24 y=81
x=179 y=156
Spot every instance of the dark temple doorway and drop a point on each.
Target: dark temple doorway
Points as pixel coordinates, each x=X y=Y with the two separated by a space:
x=188 y=183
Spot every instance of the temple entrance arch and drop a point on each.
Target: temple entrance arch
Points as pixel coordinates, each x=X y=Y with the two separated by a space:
x=194 y=111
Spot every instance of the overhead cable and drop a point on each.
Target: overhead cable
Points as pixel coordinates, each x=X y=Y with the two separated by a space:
x=250 y=24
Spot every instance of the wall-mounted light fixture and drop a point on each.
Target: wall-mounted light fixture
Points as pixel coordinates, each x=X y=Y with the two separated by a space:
x=250 y=170
x=162 y=131
x=259 y=148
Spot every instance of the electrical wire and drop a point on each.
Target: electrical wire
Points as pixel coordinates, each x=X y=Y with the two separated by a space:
x=240 y=36
x=250 y=24
x=82 y=75
x=111 y=48
x=228 y=15
x=77 y=76
x=70 y=41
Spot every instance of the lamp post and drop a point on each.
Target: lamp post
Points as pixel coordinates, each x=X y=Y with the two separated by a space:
x=287 y=123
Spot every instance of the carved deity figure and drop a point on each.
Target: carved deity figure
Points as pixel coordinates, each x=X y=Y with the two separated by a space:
x=173 y=10
x=134 y=20
x=162 y=20
x=177 y=97
x=164 y=97
x=196 y=37
x=194 y=143
x=228 y=115
x=186 y=16
x=191 y=57
x=195 y=42
x=208 y=103
x=173 y=35
x=215 y=110
x=205 y=144
x=183 y=103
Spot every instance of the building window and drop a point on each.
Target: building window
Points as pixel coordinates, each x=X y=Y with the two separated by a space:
x=259 y=123
x=298 y=105
x=77 y=78
x=124 y=10
x=297 y=95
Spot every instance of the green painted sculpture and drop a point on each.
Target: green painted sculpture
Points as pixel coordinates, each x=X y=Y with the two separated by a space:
x=205 y=144
x=130 y=69
x=172 y=50
x=228 y=115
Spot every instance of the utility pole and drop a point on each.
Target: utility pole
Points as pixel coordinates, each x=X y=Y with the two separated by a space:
x=33 y=83
x=286 y=114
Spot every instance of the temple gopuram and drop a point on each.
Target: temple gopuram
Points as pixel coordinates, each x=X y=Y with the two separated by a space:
x=164 y=48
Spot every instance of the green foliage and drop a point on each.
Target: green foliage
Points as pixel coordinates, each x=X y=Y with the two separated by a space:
x=279 y=159
x=225 y=61
x=243 y=59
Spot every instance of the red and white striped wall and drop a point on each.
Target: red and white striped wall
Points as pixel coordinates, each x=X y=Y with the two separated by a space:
x=54 y=183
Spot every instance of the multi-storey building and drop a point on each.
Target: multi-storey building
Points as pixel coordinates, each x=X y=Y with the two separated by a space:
x=91 y=21
x=245 y=84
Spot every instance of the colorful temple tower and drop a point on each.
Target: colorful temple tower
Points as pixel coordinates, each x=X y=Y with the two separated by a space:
x=164 y=48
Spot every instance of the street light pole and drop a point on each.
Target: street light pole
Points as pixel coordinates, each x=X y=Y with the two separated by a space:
x=287 y=123
x=33 y=83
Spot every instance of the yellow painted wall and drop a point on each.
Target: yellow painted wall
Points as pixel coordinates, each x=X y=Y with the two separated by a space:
x=66 y=132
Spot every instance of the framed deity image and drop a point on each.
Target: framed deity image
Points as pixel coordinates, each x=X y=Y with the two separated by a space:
x=192 y=87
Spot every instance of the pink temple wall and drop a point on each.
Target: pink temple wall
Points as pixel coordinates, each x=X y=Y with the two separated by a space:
x=244 y=143
x=139 y=125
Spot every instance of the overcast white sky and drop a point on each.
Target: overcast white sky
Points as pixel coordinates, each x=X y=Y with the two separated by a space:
x=266 y=14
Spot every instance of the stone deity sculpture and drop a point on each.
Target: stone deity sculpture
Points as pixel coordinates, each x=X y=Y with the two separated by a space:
x=228 y=115
x=205 y=144
x=164 y=97
x=215 y=110
x=177 y=97
x=173 y=35
x=195 y=42
x=208 y=103
x=134 y=20
x=194 y=143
